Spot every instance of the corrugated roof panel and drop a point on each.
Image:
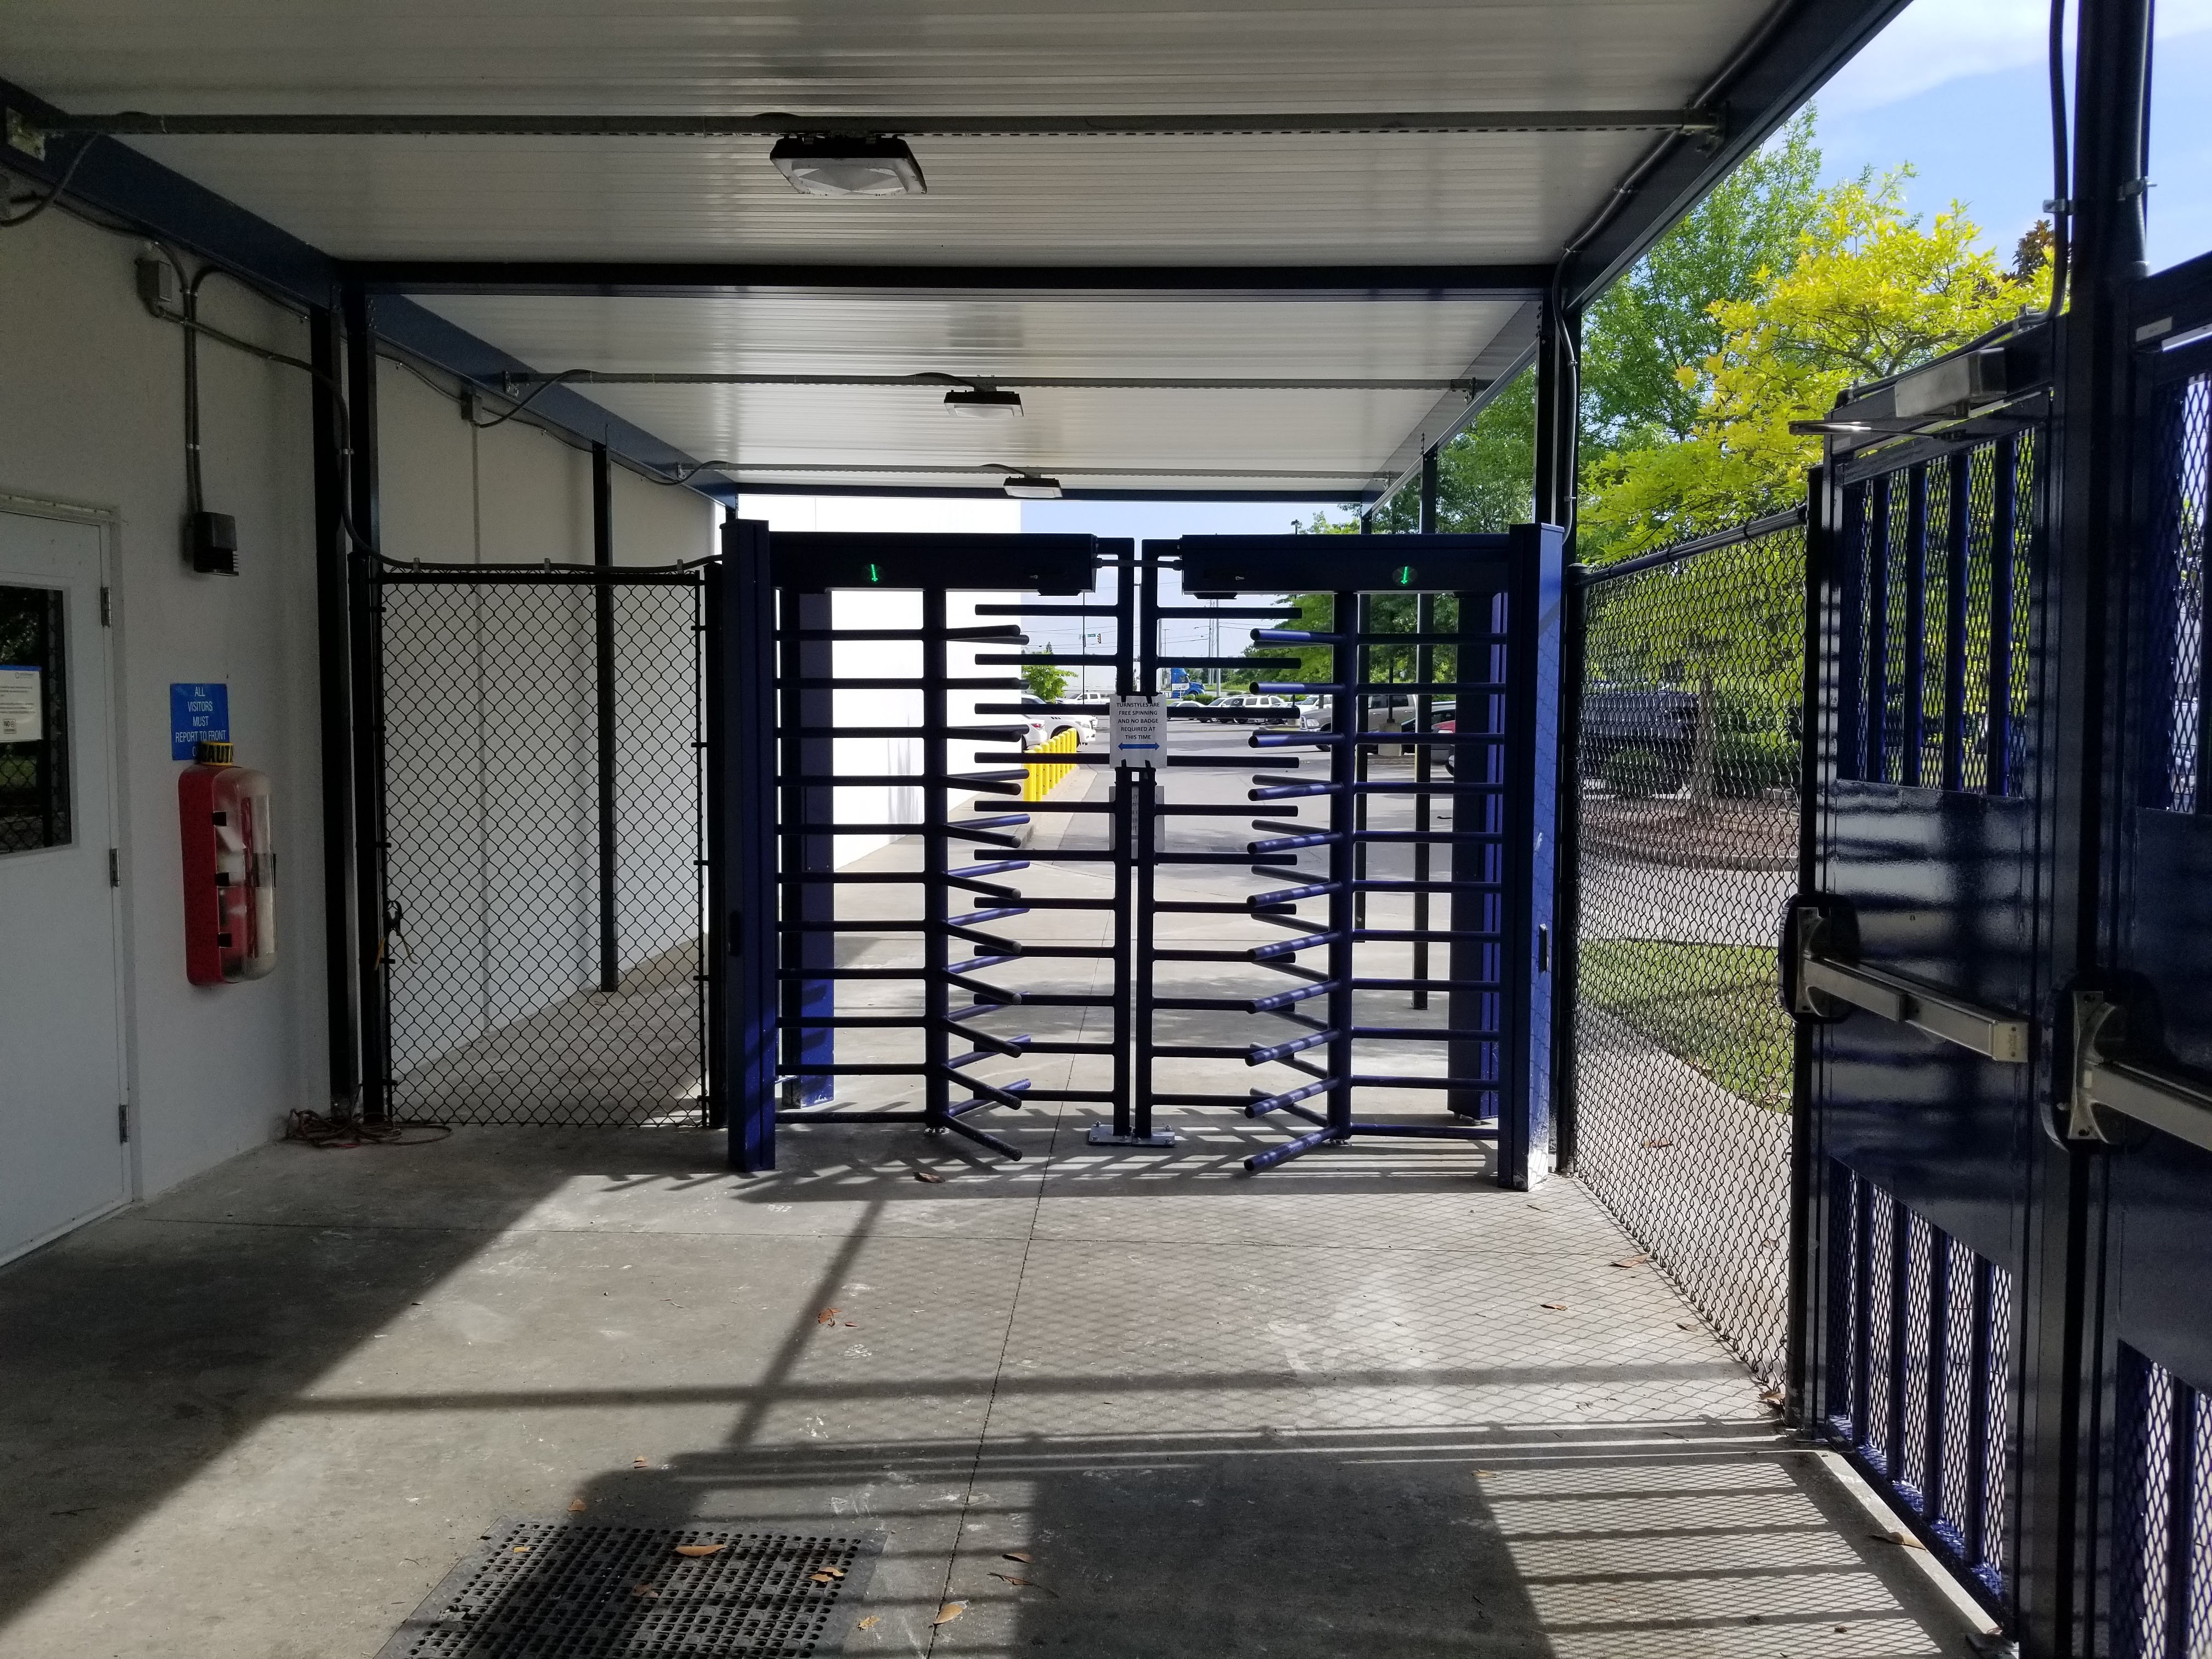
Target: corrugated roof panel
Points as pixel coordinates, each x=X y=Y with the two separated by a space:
x=779 y=432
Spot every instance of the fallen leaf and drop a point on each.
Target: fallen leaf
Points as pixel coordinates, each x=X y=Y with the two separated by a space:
x=522 y=1549
x=1023 y=1556
x=1658 y=1143
x=638 y=1463
x=949 y=1612
x=1556 y=1307
x=827 y=1316
x=647 y=1591
x=1633 y=1260
x=848 y=1324
x=1485 y=1474
x=1840 y=1629
x=935 y=1181
x=1684 y=1325
x=1771 y=1397
x=1026 y=1583
x=576 y=1506
x=701 y=1549
x=870 y=1621
x=1904 y=1540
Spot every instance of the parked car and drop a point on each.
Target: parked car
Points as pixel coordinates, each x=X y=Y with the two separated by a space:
x=1043 y=726
x=1638 y=738
x=1251 y=708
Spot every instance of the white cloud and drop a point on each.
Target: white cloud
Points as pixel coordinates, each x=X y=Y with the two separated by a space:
x=1935 y=42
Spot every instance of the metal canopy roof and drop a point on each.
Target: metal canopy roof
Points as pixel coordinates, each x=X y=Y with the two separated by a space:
x=561 y=217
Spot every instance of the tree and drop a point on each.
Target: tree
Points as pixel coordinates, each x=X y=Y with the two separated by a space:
x=1048 y=681
x=1750 y=229
x=1871 y=293
x=1636 y=339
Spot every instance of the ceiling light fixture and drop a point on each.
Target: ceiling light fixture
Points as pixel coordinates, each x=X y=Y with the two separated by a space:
x=1033 y=487
x=984 y=402
x=849 y=166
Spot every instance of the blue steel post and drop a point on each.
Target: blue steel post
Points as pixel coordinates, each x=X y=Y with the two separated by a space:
x=2067 y=1401
x=1132 y=1115
x=936 y=849
x=741 y=904
x=1474 y=894
x=1347 y=849
x=1531 y=712
x=810 y=1043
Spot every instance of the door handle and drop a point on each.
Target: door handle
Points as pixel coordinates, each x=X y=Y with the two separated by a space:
x=1987 y=1032
x=2175 y=1105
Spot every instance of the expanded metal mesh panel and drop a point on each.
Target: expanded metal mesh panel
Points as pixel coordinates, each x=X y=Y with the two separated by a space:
x=1919 y=1347
x=1944 y=552
x=1689 y=836
x=544 y=1588
x=2181 y=464
x=2162 y=1515
x=526 y=985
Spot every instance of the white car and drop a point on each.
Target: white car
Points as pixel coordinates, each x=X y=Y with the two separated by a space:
x=1044 y=726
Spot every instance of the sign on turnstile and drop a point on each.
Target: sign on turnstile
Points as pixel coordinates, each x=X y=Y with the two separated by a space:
x=1139 y=728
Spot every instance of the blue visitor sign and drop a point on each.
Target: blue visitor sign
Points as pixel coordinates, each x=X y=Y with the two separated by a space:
x=199 y=713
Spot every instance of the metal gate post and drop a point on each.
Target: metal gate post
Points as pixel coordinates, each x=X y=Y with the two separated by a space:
x=740 y=955
x=372 y=928
x=809 y=1043
x=334 y=652
x=603 y=680
x=2074 y=779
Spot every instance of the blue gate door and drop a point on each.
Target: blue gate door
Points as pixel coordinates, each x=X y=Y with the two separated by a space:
x=2142 y=1052
x=1912 y=956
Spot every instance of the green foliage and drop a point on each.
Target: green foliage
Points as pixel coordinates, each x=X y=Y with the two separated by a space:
x=1748 y=764
x=1047 y=681
x=1387 y=613
x=1714 y=1006
x=1659 y=316
x=1871 y=293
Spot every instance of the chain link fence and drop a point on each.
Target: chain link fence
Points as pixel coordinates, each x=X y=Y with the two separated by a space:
x=529 y=980
x=1693 y=668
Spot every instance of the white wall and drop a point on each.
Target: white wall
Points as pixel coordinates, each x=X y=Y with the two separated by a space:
x=492 y=739
x=91 y=414
x=918 y=515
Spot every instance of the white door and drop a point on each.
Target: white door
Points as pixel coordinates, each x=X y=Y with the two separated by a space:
x=62 y=1156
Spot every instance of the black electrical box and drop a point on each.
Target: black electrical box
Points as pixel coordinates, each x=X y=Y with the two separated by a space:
x=212 y=544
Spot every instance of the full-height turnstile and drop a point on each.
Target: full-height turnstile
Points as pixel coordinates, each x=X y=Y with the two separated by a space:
x=899 y=622
x=886 y=954
x=1371 y=909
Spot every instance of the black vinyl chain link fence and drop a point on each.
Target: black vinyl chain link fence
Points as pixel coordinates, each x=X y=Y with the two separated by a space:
x=1689 y=741
x=520 y=986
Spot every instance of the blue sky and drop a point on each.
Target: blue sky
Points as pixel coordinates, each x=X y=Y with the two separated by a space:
x=1957 y=89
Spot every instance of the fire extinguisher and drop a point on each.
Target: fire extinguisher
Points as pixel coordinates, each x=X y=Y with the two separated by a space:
x=230 y=893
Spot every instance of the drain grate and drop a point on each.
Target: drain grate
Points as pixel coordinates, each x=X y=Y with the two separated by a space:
x=552 y=1588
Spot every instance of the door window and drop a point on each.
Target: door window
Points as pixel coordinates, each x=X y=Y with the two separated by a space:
x=34 y=781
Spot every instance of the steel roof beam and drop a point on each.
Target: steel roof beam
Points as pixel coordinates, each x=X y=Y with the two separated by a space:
x=1784 y=62
x=697 y=279
x=138 y=124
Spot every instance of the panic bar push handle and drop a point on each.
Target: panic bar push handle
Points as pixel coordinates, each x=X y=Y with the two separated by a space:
x=1989 y=1033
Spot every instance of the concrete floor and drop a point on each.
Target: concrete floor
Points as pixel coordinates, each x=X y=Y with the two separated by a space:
x=1323 y=1411
x=1368 y=1403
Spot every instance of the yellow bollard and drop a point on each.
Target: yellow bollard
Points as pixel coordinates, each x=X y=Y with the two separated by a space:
x=1045 y=775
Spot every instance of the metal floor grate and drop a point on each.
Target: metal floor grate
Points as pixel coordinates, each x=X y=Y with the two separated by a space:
x=542 y=1588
